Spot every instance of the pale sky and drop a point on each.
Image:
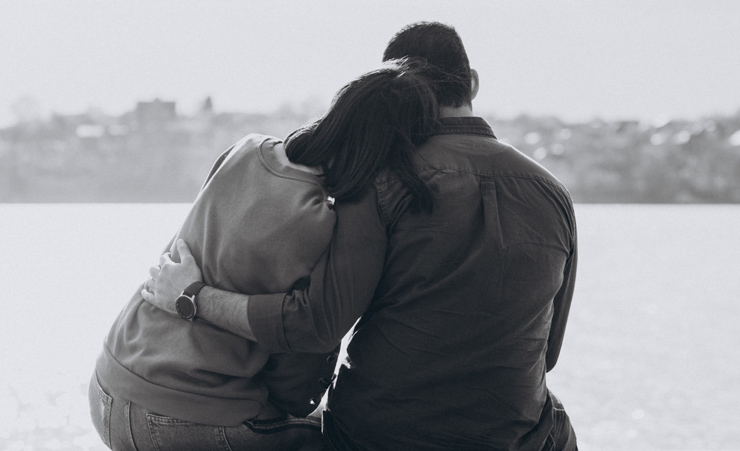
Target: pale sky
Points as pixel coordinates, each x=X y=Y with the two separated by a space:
x=575 y=59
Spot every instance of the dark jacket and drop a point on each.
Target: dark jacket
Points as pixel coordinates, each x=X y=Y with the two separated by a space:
x=463 y=310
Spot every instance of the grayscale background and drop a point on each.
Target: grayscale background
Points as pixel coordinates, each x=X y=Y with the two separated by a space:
x=111 y=113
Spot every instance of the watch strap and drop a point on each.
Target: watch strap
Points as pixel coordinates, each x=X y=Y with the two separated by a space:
x=193 y=289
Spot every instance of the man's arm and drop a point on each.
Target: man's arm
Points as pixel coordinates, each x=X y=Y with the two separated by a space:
x=224 y=309
x=342 y=286
x=562 y=303
x=310 y=320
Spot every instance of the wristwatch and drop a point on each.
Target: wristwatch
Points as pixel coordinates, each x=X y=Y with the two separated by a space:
x=185 y=303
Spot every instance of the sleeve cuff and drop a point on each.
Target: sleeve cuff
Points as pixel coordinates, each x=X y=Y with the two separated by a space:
x=265 y=314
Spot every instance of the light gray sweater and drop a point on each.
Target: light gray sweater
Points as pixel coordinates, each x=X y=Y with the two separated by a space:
x=257 y=226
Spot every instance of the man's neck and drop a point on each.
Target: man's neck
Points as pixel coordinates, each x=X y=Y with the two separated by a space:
x=451 y=111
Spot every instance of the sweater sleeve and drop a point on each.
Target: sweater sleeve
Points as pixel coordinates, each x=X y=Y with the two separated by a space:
x=341 y=288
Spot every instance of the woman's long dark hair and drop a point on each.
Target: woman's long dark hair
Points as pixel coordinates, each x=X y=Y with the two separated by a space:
x=374 y=122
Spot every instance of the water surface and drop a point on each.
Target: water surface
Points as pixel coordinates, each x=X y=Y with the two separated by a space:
x=651 y=358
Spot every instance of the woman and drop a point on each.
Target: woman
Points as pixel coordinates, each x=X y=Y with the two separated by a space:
x=259 y=225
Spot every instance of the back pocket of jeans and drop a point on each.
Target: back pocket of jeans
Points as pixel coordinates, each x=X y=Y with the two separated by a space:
x=100 y=406
x=171 y=434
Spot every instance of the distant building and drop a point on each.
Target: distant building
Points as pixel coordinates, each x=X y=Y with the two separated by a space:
x=155 y=113
x=207 y=108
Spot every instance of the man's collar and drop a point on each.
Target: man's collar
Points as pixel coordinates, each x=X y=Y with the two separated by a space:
x=469 y=125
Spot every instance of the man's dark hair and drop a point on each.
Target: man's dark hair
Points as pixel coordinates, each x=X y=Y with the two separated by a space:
x=442 y=47
x=374 y=122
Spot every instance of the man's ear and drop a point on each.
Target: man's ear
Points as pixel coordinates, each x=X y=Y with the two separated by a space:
x=474 y=83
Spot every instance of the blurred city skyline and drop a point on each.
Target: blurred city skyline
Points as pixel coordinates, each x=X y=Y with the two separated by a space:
x=572 y=59
x=95 y=157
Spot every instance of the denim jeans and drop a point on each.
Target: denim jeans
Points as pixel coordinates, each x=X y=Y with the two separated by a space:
x=562 y=437
x=123 y=425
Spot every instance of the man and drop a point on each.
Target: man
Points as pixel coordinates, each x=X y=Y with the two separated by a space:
x=463 y=308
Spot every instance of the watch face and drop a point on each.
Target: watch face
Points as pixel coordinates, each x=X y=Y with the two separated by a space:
x=185 y=307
